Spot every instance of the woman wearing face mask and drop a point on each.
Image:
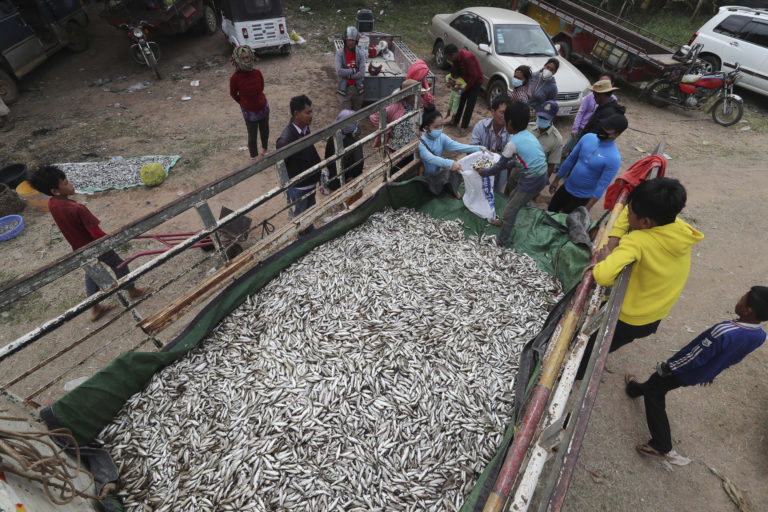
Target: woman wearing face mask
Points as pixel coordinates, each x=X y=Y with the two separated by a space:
x=351 y=163
x=543 y=86
x=440 y=171
x=520 y=81
x=589 y=168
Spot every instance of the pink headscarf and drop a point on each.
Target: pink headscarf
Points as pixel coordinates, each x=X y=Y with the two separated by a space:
x=419 y=71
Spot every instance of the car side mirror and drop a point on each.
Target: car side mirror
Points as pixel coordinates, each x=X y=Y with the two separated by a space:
x=484 y=48
x=558 y=47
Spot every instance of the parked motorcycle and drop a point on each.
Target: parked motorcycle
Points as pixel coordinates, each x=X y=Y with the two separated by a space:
x=686 y=87
x=143 y=51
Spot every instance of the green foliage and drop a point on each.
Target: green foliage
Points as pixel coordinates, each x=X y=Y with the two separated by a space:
x=674 y=26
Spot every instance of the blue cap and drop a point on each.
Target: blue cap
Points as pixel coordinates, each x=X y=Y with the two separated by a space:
x=547 y=110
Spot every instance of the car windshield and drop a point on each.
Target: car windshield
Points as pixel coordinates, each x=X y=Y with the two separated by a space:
x=522 y=40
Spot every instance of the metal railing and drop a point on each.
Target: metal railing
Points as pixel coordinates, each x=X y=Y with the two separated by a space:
x=197 y=200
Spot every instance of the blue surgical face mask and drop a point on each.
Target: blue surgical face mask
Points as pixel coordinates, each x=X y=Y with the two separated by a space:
x=516 y=82
x=542 y=123
x=435 y=133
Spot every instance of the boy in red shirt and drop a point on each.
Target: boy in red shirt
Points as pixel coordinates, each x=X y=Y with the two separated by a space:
x=79 y=226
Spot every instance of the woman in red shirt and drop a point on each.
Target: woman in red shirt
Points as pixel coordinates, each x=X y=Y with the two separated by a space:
x=246 y=86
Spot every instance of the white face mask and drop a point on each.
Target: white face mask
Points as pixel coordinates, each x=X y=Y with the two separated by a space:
x=546 y=74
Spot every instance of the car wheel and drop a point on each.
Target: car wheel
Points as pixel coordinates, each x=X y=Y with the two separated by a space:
x=9 y=92
x=710 y=63
x=77 y=38
x=439 y=53
x=210 y=20
x=496 y=89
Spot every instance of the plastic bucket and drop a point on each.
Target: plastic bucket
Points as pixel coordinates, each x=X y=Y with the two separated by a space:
x=13 y=175
x=37 y=200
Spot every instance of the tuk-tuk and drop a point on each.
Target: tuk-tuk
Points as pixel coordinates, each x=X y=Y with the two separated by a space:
x=33 y=30
x=258 y=23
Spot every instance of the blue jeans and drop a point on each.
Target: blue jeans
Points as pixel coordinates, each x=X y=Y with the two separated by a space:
x=570 y=144
x=305 y=198
x=112 y=260
x=501 y=181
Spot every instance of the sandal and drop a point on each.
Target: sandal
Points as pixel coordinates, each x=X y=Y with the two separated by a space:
x=494 y=222
x=628 y=377
x=648 y=451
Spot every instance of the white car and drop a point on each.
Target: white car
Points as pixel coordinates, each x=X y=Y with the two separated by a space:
x=517 y=40
x=737 y=35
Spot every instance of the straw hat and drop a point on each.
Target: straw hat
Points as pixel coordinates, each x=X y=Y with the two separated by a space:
x=602 y=86
x=411 y=82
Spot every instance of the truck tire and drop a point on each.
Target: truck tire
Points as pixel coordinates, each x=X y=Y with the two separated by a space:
x=497 y=87
x=77 y=37
x=210 y=20
x=710 y=63
x=439 y=52
x=9 y=92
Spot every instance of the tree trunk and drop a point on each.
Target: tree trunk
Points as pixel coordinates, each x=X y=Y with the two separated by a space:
x=696 y=10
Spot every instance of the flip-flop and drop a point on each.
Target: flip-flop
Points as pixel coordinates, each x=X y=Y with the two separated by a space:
x=644 y=449
x=628 y=377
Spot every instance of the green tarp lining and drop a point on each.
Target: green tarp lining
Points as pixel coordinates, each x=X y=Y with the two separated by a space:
x=87 y=409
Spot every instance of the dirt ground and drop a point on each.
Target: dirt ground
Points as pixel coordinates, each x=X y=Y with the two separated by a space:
x=66 y=115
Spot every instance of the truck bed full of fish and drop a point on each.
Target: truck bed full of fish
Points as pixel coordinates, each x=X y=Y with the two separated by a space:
x=375 y=373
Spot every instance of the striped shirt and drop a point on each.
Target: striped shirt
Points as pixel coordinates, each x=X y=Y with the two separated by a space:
x=714 y=350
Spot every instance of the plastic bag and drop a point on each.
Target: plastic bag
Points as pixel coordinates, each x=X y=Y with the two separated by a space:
x=478 y=190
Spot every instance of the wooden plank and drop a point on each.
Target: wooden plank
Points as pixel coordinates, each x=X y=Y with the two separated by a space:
x=259 y=252
x=66 y=264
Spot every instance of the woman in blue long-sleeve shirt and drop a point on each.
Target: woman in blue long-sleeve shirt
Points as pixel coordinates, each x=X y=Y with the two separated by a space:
x=592 y=165
x=433 y=142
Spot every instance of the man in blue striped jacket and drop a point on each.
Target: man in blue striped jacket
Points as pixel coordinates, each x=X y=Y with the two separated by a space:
x=699 y=362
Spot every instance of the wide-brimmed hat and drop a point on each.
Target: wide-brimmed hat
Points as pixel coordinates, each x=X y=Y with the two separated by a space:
x=409 y=82
x=602 y=87
x=547 y=110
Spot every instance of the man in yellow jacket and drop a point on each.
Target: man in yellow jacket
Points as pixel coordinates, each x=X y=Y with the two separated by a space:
x=659 y=245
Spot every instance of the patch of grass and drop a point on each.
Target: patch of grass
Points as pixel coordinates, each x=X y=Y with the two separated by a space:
x=672 y=25
x=407 y=19
x=758 y=122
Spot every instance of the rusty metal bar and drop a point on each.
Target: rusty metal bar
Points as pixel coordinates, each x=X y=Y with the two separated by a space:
x=538 y=402
x=251 y=256
x=518 y=450
x=66 y=264
x=595 y=371
x=308 y=217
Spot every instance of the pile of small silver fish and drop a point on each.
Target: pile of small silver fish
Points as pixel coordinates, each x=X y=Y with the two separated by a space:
x=118 y=173
x=482 y=163
x=375 y=373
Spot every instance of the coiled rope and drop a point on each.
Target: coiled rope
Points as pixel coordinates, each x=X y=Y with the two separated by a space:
x=21 y=454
